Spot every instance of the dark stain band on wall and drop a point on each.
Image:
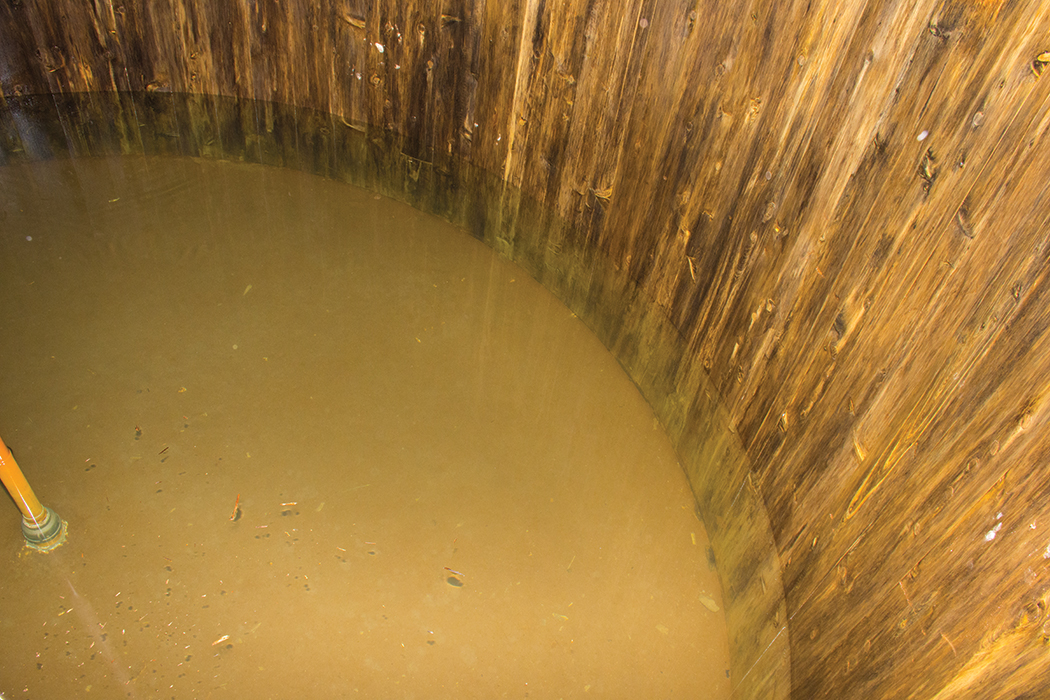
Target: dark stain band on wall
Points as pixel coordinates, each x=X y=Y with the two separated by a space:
x=812 y=234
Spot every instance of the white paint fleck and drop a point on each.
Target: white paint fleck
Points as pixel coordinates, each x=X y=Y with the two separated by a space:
x=383 y=48
x=922 y=135
x=990 y=535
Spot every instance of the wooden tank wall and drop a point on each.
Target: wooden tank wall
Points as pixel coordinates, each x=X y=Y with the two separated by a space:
x=815 y=233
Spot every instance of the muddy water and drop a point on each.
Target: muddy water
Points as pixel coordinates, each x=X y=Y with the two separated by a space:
x=313 y=443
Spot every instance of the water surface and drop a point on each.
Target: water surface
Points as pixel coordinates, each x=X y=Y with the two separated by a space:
x=312 y=442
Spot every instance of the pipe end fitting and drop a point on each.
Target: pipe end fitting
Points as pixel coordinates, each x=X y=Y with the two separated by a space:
x=46 y=533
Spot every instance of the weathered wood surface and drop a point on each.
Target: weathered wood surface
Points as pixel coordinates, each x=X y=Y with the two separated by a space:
x=813 y=232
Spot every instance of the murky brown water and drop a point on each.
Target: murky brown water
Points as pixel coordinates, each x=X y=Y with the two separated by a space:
x=390 y=403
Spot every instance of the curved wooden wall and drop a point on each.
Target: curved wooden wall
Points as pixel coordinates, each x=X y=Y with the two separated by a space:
x=815 y=233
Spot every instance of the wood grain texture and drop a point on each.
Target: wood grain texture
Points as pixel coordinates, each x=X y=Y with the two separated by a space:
x=813 y=232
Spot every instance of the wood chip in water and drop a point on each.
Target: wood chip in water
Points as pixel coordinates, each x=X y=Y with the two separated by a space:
x=709 y=603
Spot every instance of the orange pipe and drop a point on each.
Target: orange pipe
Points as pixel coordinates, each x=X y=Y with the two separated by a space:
x=18 y=487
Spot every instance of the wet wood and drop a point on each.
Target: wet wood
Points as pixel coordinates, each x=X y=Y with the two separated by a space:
x=812 y=232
